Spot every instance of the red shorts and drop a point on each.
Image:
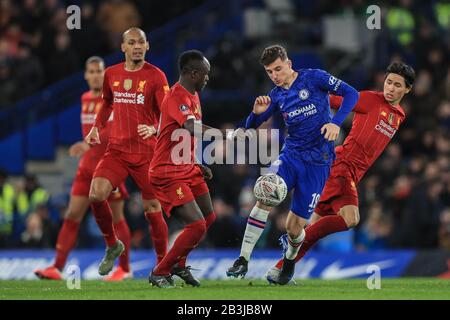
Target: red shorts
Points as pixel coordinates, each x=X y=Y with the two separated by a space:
x=178 y=191
x=82 y=184
x=339 y=191
x=116 y=166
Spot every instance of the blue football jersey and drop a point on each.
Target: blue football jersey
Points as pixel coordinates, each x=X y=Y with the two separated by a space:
x=305 y=108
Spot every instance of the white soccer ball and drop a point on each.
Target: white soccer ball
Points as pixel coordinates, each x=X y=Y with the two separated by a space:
x=270 y=190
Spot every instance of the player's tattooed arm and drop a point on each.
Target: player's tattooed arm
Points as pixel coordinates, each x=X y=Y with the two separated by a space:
x=145 y=131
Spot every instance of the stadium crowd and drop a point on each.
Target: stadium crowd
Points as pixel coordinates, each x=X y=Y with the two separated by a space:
x=404 y=198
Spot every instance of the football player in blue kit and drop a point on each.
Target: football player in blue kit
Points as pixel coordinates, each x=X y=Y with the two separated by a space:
x=302 y=97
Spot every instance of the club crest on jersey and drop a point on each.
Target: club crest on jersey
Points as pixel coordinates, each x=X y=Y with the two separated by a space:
x=391 y=118
x=303 y=94
x=127 y=84
x=184 y=109
x=141 y=86
x=180 y=193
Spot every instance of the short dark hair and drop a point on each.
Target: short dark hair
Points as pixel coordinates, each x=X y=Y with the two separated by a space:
x=124 y=35
x=94 y=59
x=272 y=53
x=187 y=58
x=403 y=70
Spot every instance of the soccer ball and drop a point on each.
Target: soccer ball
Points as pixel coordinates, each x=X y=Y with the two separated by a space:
x=270 y=190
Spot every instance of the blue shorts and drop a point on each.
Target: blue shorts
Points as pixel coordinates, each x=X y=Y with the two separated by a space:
x=307 y=180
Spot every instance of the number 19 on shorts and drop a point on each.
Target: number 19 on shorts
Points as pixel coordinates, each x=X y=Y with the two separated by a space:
x=314 y=201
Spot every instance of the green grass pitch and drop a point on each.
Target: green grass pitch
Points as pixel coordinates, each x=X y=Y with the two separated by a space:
x=402 y=288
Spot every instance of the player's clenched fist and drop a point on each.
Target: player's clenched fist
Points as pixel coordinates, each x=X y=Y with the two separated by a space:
x=331 y=131
x=93 y=137
x=261 y=104
x=146 y=131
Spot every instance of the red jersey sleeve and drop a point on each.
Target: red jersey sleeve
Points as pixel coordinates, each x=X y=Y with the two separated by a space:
x=179 y=110
x=335 y=101
x=361 y=105
x=106 y=109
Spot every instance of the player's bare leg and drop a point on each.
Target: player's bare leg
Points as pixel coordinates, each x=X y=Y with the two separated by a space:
x=100 y=190
x=295 y=235
x=314 y=232
x=350 y=213
x=123 y=271
x=194 y=230
x=159 y=231
x=255 y=226
x=181 y=270
x=67 y=237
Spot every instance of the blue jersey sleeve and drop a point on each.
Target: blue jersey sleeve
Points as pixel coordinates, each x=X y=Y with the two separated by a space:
x=329 y=83
x=255 y=120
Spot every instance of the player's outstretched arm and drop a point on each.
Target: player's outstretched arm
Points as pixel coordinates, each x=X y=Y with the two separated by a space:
x=200 y=130
x=78 y=149
x=93 y=136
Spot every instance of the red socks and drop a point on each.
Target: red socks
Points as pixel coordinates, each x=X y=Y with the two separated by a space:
x=103 y=216
x=123 y=233
x=209 y=219
x=323 y=227
x=187 y=240
x=67 y=238
x=159 y=233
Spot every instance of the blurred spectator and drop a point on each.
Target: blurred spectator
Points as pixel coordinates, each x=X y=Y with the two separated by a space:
x=29 y=73
x=401 y=22
x=30 y=195
x=62 y=61
x=227 y=230
x=40 y=231
x=116 y=16
x=375 y=232
x=444 y=230
x=419 y=223
x=7 y=195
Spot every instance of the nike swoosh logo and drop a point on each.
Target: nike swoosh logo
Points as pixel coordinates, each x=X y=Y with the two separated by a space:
x=334 y=270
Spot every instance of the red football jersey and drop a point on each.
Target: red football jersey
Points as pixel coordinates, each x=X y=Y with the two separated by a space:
x=135 y=97
x=175 y=153
x=90 y=107
x=374 y=124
